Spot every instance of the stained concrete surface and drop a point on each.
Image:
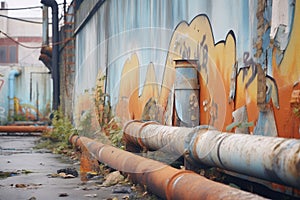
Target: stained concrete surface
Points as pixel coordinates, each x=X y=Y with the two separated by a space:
x=18 y=153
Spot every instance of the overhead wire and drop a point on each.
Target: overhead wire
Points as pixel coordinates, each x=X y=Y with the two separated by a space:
x=24 y=8
x=17 y=42
x=32 y=47
x=19 y=19
x=27 y=8
x=28 y=21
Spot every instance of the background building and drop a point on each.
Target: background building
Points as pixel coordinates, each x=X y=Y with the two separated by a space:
x=25 y=84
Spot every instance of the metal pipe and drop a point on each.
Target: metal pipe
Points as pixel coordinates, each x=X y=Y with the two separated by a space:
x=186 y=93
x=23 y=129
x=45 y=26
x=11 y=79
x=165 y=181
x=55 y=55
x=269 y=158
x=153 y=136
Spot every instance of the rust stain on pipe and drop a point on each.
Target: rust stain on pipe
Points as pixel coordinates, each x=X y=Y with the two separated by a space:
x=165 y=181
x=24 y=129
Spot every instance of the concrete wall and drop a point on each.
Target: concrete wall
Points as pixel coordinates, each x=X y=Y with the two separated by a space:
x=32 y=94
x=246 y=77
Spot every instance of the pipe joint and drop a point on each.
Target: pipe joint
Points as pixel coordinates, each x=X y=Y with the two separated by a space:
x=190 y=143
x=50 y=3
x=132 y=133
x=13 y=73
x=171 y=185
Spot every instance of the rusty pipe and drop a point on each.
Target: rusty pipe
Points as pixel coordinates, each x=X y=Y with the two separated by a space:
x=23 y=129
x=165 y=181
x=269 y=158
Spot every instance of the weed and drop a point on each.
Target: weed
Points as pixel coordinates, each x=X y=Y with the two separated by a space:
x=57 y=139
x=296 y=111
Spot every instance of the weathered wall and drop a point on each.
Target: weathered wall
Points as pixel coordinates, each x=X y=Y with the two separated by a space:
x=246 y=77
x=32 y=94
x=3 y=94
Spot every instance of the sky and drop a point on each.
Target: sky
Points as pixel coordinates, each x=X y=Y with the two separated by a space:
x=29 y=3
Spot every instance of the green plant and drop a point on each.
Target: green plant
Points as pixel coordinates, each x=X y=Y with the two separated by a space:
x=116 y=137
x=296 y=111
x=85 y=127
x=19 y=117
x=57 y=139
x=103 y=107
x=114 y=133
x=62 y=127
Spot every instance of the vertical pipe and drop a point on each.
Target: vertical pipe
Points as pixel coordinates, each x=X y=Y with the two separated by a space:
x=37 y=101
x=30 y=87
x=65 y=11
x=186 y=89
x=45 y=26
x=55 y=56
x=11 y=79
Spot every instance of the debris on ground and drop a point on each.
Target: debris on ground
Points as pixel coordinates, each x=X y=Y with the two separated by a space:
x=113 y=178
x=4 y=174
x=93 y=176
x=63 y=195
x=27 y=186
x=121 y=190
x=114 y=198
x=68 y=171
x=91 y=195
x=65 y=173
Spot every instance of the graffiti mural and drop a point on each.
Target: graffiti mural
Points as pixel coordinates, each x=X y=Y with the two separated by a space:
x=2 y=109
x=223 y=87
x=189 y=41
x=287 y=76
x=255 y=93
x=1 y=83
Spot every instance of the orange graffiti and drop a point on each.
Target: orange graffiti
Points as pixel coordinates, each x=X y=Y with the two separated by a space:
x=131 y=105
x=218 y=74
x=189 y=41
x=287 y=76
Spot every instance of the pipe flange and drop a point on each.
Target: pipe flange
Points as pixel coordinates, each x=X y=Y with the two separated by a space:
x=189 y=153
x=139 y=139
x=130 y=122
x=173 y=180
